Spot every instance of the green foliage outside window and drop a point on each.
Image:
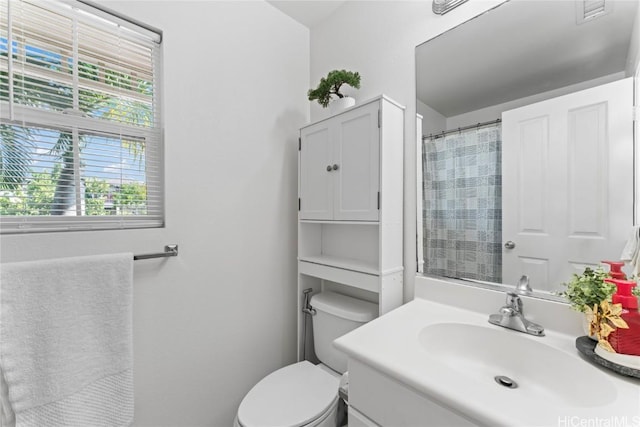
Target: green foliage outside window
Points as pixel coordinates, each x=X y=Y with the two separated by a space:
x=100 y=198
x=96 y=193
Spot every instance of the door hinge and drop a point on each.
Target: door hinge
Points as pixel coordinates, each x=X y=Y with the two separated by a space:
x=299 y=203
x=299 y=144
x=378 y=200
x=379 y=119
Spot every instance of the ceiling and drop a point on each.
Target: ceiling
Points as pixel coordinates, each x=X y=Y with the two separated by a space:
x=520 y=49
x=308 y=13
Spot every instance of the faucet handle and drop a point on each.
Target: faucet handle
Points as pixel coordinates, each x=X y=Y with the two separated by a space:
x=514 y=302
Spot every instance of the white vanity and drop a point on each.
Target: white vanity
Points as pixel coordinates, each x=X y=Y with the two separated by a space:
x=430 y=363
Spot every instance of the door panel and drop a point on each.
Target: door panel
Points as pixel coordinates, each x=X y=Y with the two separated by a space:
x=533 y=147
x=588 y=192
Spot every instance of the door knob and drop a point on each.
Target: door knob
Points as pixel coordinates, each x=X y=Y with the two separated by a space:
x=509 y=245
x=335 y=167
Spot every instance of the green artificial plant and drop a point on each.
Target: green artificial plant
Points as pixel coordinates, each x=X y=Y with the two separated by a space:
x=589 y=293
x=588 y=290
x=331 y=85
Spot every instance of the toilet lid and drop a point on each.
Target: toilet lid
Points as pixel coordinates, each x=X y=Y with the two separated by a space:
x=289 y=397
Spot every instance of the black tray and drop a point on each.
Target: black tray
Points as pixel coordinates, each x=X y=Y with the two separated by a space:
x=586 y=346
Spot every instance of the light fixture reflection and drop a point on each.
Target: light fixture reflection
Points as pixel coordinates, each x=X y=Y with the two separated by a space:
x=440 y=7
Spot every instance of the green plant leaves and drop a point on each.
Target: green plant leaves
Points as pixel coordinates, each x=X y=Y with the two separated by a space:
x=331 y=85
x=588 y=289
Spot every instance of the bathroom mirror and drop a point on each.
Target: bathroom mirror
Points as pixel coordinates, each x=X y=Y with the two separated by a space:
x=527 y=147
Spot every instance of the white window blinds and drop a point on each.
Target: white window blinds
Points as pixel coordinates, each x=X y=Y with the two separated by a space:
x=81 y=143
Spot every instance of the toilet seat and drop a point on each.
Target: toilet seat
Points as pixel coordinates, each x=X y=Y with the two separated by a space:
x=293 y=396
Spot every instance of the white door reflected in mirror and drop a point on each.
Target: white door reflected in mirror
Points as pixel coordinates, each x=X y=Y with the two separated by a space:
x=567 y=173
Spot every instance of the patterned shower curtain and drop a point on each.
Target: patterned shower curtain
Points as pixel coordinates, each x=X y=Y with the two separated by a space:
x=462 y=206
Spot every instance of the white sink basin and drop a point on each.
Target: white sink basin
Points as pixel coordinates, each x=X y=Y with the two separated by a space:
x=480 y=353
x=451 y=356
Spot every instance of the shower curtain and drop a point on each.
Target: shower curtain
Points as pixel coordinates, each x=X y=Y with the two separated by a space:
x=462 y=204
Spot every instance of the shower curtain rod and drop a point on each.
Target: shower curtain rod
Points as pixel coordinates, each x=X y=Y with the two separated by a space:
x=447 y=132
x=169 y=250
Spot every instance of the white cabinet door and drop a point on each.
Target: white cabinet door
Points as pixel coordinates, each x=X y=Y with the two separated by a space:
x=357 y=155
x=567 y=183
x=390 y=403
x=316 y=182
x=340 y=167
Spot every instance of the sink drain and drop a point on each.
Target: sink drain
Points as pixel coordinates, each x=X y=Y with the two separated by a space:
x=505 y=381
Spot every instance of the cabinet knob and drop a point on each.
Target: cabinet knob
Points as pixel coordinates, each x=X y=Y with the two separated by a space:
x=335 y=167
x=329 y=168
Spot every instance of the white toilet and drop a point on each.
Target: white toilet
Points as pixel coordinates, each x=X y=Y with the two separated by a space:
x=304 y=394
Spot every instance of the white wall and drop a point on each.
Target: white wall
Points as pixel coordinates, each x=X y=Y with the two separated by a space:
x=378 y=39
x=432 y=121
x=213 y=321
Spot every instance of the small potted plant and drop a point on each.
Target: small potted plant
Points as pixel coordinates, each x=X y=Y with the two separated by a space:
x=588 y=289
x=330 y=87
x=588 y=293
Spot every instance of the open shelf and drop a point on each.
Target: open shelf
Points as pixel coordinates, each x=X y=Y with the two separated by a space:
x=357 y=279
x=345 y=263
x=340 y=245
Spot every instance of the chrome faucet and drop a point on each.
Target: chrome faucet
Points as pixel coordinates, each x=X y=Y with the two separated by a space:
x=523 y=286
x=511 y=315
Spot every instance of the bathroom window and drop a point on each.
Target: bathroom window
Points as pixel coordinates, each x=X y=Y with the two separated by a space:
x=81 y=136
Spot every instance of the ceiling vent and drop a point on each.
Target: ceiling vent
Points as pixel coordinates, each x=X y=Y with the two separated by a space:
x=440 y=7
x=588 y=10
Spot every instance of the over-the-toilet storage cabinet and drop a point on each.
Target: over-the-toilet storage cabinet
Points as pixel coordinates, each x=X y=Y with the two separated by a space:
x=350 y=188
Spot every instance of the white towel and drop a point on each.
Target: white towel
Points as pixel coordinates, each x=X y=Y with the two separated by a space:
x=66 y=351
x=631 y=251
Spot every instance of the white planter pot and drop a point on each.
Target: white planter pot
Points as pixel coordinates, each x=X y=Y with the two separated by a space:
x=340 y=104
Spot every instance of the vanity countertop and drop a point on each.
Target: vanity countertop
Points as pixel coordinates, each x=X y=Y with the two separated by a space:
x=557 y=386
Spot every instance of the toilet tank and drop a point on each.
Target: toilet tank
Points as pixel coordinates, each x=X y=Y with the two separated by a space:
x=337 y=314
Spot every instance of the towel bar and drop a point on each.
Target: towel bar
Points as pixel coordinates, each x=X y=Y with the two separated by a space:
x=169 y=250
